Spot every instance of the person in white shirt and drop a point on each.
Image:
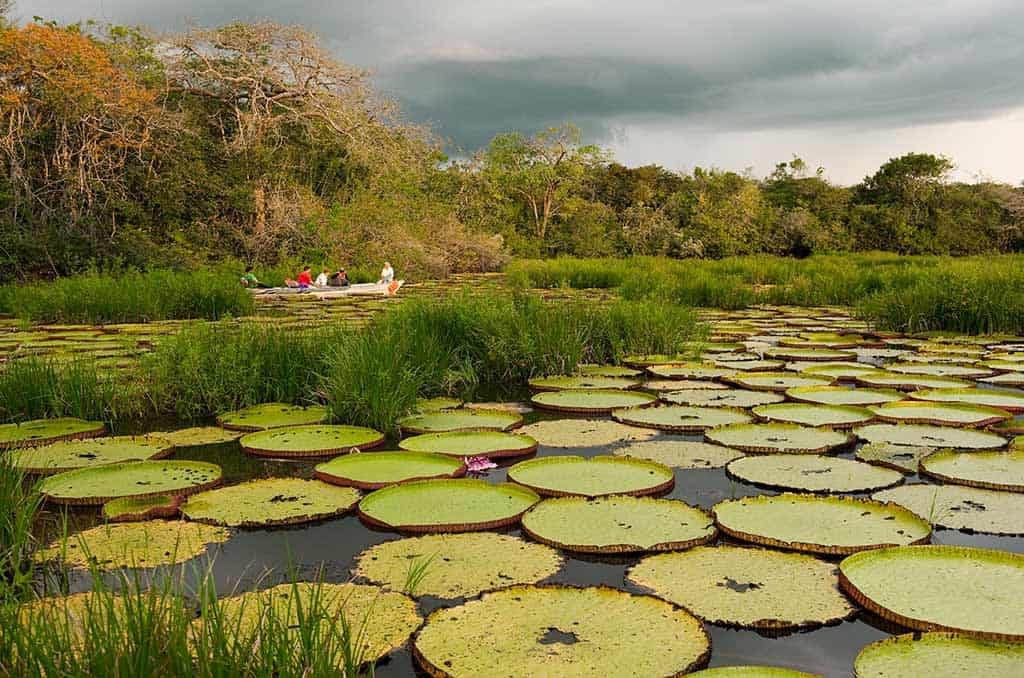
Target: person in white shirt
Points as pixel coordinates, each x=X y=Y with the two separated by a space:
x=387 y=274
x=321 y=280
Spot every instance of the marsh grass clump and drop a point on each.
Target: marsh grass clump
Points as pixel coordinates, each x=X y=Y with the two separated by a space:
x=133 y=296
x=34 y=388
x=20 y=504
x=455 y=345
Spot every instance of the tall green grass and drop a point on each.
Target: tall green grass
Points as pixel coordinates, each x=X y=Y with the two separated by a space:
x=129 y=297
x=34 y=388
x=456 y=345
x=19 y=507
x=970 y=294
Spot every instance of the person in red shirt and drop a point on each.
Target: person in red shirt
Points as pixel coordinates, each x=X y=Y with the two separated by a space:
x=305 y=278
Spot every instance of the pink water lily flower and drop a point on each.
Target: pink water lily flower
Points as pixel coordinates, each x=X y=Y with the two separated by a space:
x=479 y=464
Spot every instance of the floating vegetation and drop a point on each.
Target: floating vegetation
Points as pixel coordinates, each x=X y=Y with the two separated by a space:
x=838 y=395
x=687 y=370
x=827 y=525
x=380 y=620
x=908 y=382
x=940 y=414
x=730 y=363
x=457 y=565
x=99 y=484
x=812 y=473
x=472 y=444
x=437 y=404
x=608 y=371
x=199 y=436
x=272 y=415
x=581 y=382
x=810 y=354
x=596 y=401
x=752 y=672
x=45 y=431
x=457 y=505
x=311 y=441
x=374 y=470
x=939 y=370
x=67 y=455
x=777 y=381
x=746 y=587
x=938 y=588
x=832 y=416
x=958 y=507
x=563 y=631
x=594 y=477
x=939 y=655
x=683 y=454
x=989 y=470
x=130 y=509
x=924 y=435
x=1005 y=400
x=779 y=438
x=840 y=371
x=134 y=545
x=584 y=433
x=903 y=458
x=726 y=397
x=621 y=524
x=680 y=418
x=460 y=420
x=271 y=501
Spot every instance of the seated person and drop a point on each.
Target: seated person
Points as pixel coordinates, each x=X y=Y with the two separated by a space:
x=321 y=280
x=305 y=278
x=339 y=279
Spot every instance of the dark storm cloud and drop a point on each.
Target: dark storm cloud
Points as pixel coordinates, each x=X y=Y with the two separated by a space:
x=478 y=68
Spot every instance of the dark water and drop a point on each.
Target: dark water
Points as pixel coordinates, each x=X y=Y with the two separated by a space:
x=257 y=558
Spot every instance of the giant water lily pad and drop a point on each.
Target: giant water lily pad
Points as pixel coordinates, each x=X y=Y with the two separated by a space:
x=608 y=371
x=1011 y=401
x=908 y=382
x=828 y=525
x=437 y=404
x=198 y=436
x=903 y=458
x=812 y=473
x=663 y=385
x=1006 y=379
x=727 y=397
x=940 y=414
x=840 y=371
x=457 y=565
x=833 y=416
x=323 y=440
x=67 y=455
x=941 y=588
x=924 y=435
x=598 y=476
x=567 y=433
x=777 y=381
x=753 y=672
x=140 y=544
x=779 y=438
x=457 y=505
x=472 y=444
x=561 y=631
x=837 y=395
x=272 y=415
x=272 y=501
x=690 y=371
x=680 y=418
x=45 y=431
x=939 y=655
x=374 y=470
x=809 y=354
x=684 y=454
x=958 y=507
x=131 y=509
x=380 y=620
x=620 y=524
x=596 y=401
x=460 y=420
x=99 y=484
x=655 y=359
x=940 y=370
x=730 y=363
x=747 y=587
x=989 y=470
x=565 y=382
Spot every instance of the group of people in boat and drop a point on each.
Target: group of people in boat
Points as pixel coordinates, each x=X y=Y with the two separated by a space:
x=326 y=278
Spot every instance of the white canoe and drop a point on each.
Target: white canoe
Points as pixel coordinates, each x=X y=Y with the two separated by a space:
x=361 y=289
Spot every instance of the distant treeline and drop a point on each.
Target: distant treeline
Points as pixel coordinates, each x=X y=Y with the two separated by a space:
x=250 y=141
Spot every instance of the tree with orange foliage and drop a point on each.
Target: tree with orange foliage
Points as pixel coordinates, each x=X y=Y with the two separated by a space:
x=71 y=122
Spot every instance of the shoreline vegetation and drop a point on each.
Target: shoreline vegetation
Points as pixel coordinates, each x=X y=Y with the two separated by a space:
x=369 y=376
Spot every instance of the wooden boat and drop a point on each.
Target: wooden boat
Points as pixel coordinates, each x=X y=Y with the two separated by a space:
x=361 y=289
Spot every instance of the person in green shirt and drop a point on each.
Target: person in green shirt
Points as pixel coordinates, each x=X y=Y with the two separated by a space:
x=250 y=279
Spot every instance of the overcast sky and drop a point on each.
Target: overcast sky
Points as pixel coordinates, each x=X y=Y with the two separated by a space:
x=730 y=84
